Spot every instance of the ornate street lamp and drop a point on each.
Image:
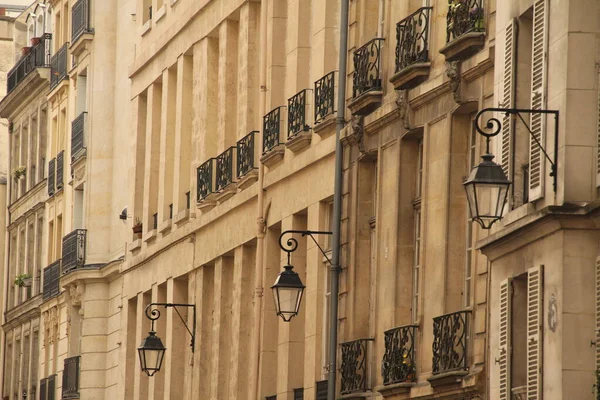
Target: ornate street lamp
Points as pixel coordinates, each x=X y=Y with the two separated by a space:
x=151 y=350
x=487 y=186
x=288 y=287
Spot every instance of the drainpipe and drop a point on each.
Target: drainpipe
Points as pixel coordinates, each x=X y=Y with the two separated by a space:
x=337 y=202
x=261 y=217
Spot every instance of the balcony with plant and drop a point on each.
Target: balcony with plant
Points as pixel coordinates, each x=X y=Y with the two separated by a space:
x=465 y=29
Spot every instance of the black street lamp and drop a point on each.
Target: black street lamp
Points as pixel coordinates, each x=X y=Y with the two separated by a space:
x=487 y=186
x=288 y=287
x=151 y=350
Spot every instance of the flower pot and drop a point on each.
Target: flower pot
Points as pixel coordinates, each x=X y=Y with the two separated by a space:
x=137 y=228
x=25 y=51
x=35 y=41
x=27 y=282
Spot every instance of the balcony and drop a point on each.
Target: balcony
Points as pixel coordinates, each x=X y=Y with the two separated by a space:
x=465 y=29
x=80 y=20
x=205 y=183
x=58 y=67
x=247 y=172
x=450 y=347
x=324 y=101
x=225 y=183
x=412 y=50
x=60 y=169
x=354 y=366
x=298 y=129
x=78 y=148
x=36 y=58
x=399 y=363
x=70 y=383
x=367 y=90
x=51 y=176
x=273 y=151
x=48 y=388
x=73 y=250
x=51 y=280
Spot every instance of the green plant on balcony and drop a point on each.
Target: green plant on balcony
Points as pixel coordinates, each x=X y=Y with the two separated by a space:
x=19 y=172
x=23 y=280
x=409 y=367
x=458 y=9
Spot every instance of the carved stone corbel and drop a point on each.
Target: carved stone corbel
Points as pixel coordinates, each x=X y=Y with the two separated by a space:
x=402 y=103
x=357 y=124
x=453 y=73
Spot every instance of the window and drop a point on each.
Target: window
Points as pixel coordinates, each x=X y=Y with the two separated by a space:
x=417 y=232
x=469 y=230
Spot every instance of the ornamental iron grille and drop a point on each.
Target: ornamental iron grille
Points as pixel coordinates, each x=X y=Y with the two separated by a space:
x=37 y=57
x=324 y=97
x=51 y=280
x=463 y=16
x=297 y=114
x=204 y=175
x=77 y=136
x=367 y=68
x=70 y=384
x=412 y=35
x=245 y=154
x=60 y=157
x=73 y=250
x=51 y=176
x=44 y=389
x=224 y=169
x=48 y=387
x=271 y=129
x=58 y=66
x=450 y=342
x=398 y=364
x=354 y=366
x=80 y=23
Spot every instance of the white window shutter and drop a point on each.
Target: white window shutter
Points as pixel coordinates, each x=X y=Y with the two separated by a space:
x=539 y=49
x=598 y=314
x=505 y=345
x=508 y=96
x=535 y=317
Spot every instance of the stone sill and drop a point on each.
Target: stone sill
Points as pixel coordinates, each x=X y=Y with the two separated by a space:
x=248 y=179
x=517 y=214
x=321 y=127
x=149 y=235
x=366 y=102
x=135 y=245
x=58 y=88
x=160 y=13
x=299 y=141
x=79 y=45
x=273 y=156
x=447 y=378
x=207 y=203
x=395 y=388
x=356 y=395
x=225 y=193
x=165 y=225
x=411 y=76
x=181 y=216
x=146 y=27
x=464 y=46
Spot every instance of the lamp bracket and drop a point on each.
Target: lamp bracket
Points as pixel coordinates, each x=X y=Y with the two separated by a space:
x=493 y=127
x=153 y=314
x=291 y=244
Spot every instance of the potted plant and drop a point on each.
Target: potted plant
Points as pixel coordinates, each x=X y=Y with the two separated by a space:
x=23 y=280
x=137 y=227
x=409 y=368
x=25 y=50
x=19 y=172
x=35 y=41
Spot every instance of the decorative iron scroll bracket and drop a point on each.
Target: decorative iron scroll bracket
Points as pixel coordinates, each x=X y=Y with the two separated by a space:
x=292 y=244
x=493 y=127
x=153 y=314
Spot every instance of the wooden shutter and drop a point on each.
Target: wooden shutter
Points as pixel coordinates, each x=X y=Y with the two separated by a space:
x=535 y=317
x=598 y=314
x=508 y=97
x=537 y=160
x=43 y=389
x=505 y=345
x=51 y=387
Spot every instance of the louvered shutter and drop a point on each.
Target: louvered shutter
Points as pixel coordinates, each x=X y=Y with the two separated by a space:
x=321 y=390
x=535 y=317
x=508 y=97
x=51 y=387
x=598 y=138
x=538 y=99
x=505 y=345
x=598 y=314
x=43 y=389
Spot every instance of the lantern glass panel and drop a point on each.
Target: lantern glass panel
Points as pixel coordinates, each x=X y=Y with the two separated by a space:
x=287 y=301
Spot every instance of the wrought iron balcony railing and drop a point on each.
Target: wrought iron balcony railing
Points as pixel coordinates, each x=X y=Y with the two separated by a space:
x=354 y=366
x=51 y=176
x=204 y=176
x=412 y=35
x=58 y=66
x=463 y=16
x=78 y=137
x=80 y=19
x=297 y=108
x=271 y=129
x=51 y=286
x=450 y=342
x=48 y=387
x=37 y=58
x=367 y=68
x=73 y=250
x=70 y=383
x=60 y=169
x=324 y=97
x=399 y=362
x=245 y=154
x=224 y=169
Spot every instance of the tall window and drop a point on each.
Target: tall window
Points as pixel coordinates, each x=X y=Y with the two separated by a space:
x=417 y=232
x=326 y=293
x=469 y=231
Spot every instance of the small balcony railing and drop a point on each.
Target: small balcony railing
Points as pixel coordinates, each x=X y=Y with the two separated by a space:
x=297 y=107
x=51 y=176
x=73 y=250
x=399 y=362
x=51 y=286
x=204 y=176
x=37 y=57
x=58 y=66
x=450 y=342
x=70 y=383
x=412 y=35
x=463 y=16
x=60 y=163
x=271 y=129
x=80 y=19
x=324 y=97
x=225 y=173
x=245 y=154
x=78 y=136
x=354 y=366
x=367 y=68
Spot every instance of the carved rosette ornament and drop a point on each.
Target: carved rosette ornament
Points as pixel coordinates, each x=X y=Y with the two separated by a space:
x=402 y=103
x=453 y=73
